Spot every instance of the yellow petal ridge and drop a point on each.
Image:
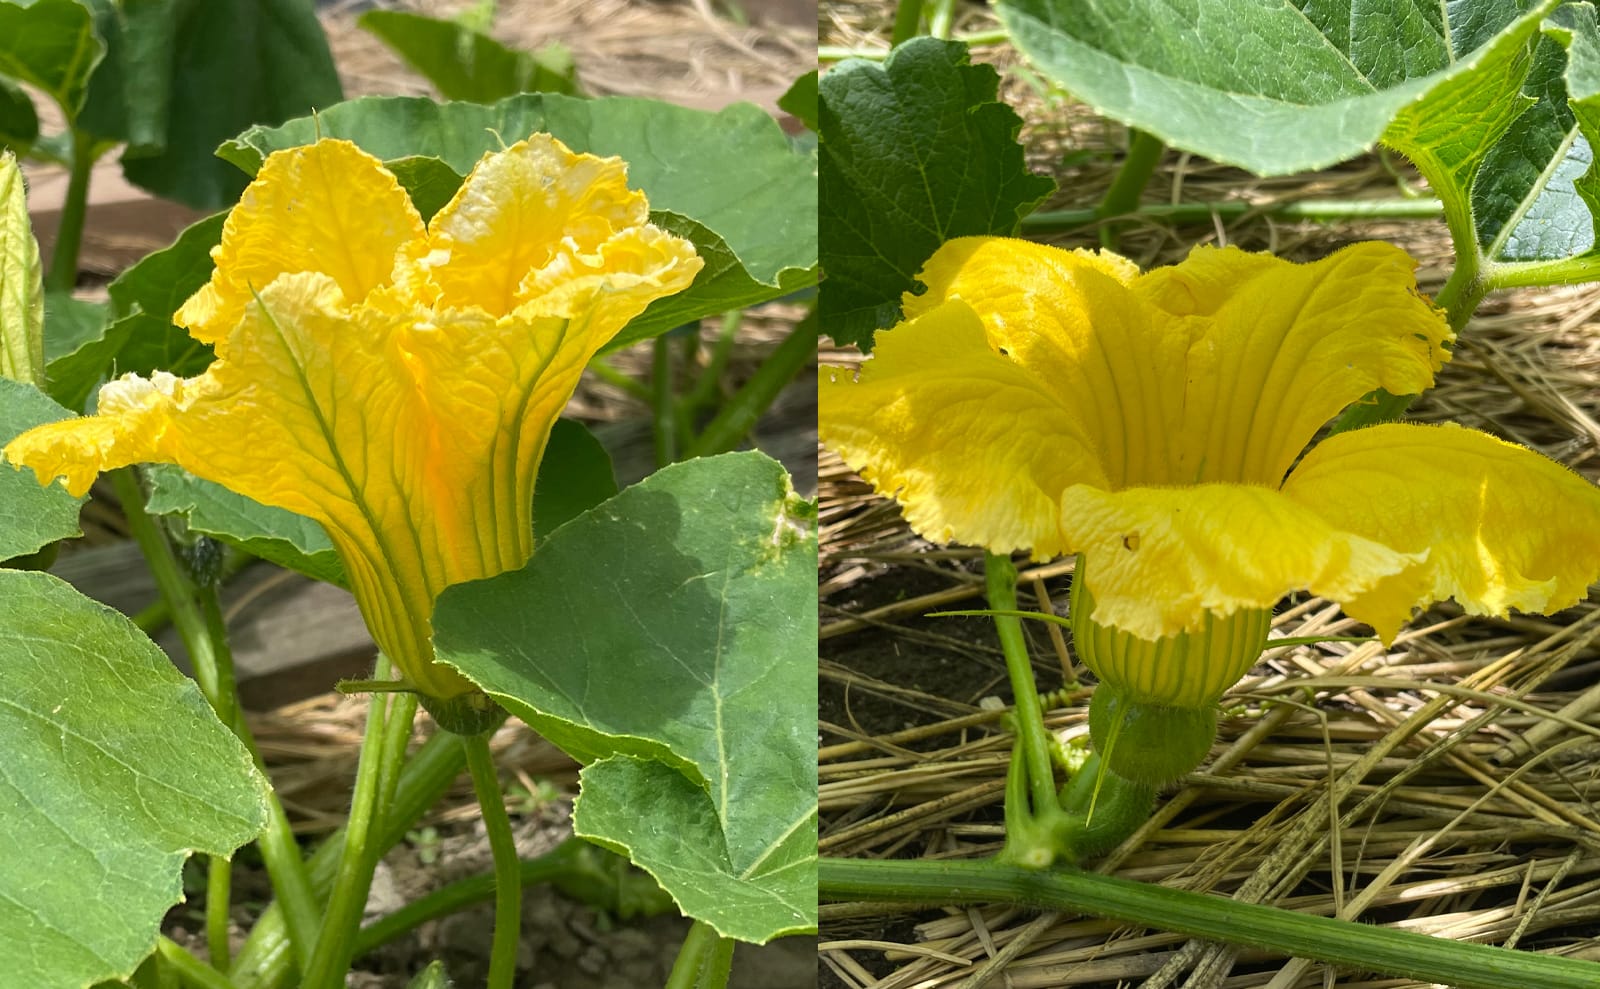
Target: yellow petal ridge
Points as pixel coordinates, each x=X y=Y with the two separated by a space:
x=1277 y=349
x=1071 y=320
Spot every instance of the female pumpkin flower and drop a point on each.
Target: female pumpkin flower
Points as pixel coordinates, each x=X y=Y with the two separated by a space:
x=395 y=382
x=1063 y=402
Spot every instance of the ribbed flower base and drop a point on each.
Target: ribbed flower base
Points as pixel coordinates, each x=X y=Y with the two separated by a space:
x=1188 y=670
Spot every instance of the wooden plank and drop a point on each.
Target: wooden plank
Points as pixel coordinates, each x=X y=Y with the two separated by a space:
x=292 y=637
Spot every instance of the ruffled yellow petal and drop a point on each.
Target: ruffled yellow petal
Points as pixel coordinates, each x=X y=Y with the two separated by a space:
x=1161 y=559
x=327 y=207
x=1280 y=348
x=1070 y=319
x=526 y=218
x=1494 y=525
x=129 y=430
x=413 y=433
x=974 y=446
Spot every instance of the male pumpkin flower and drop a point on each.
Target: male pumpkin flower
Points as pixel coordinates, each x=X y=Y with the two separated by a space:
x=395 y=382
x=1063 y=402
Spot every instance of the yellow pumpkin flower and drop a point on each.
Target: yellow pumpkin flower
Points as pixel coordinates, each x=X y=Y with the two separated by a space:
x=394 y=381
x=1157 y=424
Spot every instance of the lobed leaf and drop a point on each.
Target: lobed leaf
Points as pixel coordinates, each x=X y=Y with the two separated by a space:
x=666 y=637
x=116 y=771
x=914 y=152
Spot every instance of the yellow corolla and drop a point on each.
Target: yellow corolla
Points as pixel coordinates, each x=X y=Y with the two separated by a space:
x=395 y=382
x=1157 y=424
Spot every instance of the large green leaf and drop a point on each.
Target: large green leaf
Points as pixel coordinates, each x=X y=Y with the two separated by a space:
x=733 y=172
x=801 y=99
x=1473 y=93
x=669 y=638
x=50 y=44
x=181 y=77
x=914 y=152
x=465 y=64
x=115 y=772
x=1301 y=85
x=31 y=516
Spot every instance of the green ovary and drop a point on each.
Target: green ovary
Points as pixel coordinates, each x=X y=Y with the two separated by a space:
x=1153 y=717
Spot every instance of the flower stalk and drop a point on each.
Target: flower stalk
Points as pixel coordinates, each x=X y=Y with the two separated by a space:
x=704 y=960
x=507 y=870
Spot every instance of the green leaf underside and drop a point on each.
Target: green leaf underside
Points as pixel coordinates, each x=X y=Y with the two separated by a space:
x=116 y=770
x=283 y=537
x=673 y=625
x=31 y=516
x=1536 y=198
x=50 y=44
x=680 y=842
x=762 y=207
x=19 y=124
x=1333 y=75
x=464 y=64
x=1473 y=94
x=914 y=152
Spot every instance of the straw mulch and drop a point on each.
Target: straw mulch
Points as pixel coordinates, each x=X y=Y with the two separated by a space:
x=1443 y=785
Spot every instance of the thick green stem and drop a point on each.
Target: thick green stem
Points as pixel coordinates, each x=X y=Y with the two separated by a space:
x=330 y=957
x=206 y=640
x=264 y=961
x=219 y=894
x=941 y=18
x=663 y=403
x=1144 y=153
x=907 y=21
x=561 y=862
x=507 y=870
x=191 y=970
x=733 y=423
x=616 y=379
x=1363 y=947
x=1532 y=274
x=1325 y=210
x=703 y=961
x=1000 y=576
x=706 y=386
x=63 y=274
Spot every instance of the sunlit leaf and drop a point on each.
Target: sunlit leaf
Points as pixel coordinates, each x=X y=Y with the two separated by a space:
x=116 y=771
x=668 y=637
